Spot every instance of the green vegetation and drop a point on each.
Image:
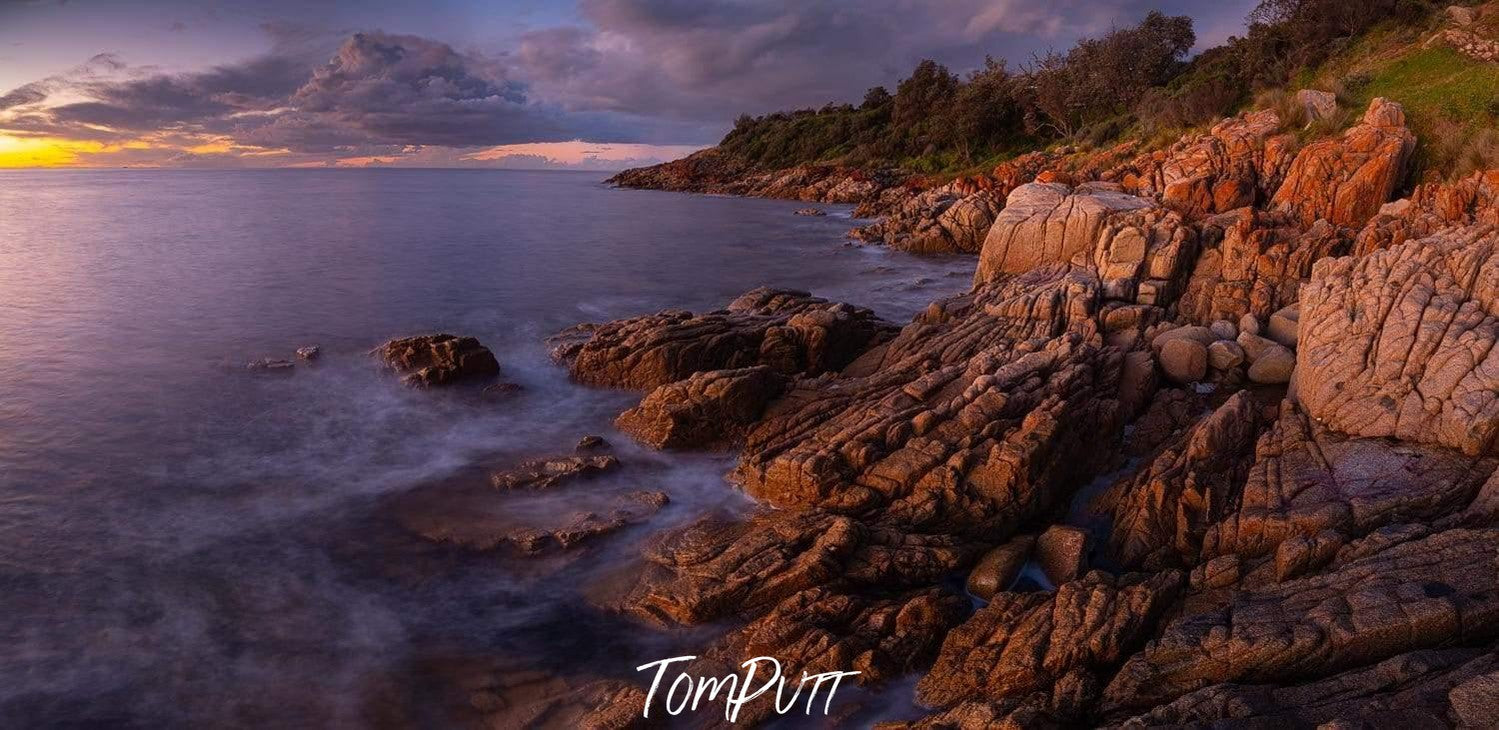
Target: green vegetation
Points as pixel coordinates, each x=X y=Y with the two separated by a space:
x=1136 y=81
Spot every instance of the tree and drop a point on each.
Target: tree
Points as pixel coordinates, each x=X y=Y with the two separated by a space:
x=875 y=98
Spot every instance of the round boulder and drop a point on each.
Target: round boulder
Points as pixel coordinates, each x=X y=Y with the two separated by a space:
x=1185 y=360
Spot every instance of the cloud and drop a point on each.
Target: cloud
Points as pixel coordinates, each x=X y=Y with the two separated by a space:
x=651 y=72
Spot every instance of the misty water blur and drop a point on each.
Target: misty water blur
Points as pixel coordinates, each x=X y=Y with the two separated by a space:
x=183 y=542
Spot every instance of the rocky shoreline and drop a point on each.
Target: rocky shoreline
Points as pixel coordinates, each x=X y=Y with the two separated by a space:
x=1236 y=406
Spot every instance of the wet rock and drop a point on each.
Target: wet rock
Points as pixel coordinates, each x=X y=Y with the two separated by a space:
x=502 y=391
x=708 y=409
x=999 y=568
x=442 y=359
x=1185 y=360
x=1400 y=343
x=788 y=331
x=309 y=352
x=1426 y=593
x=552 y=473
x=1346 y=180
x=940 y=220
x=1273 y=366
x=1026 y=642
x=591 y=444
x=484 y=521
x=581 y=527
x=271 y=365
x=811 y=212
x=1062 y=553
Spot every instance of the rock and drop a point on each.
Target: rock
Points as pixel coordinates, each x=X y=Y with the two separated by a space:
x=432 y=360
x=1000 y=567
x=941 y=220
x=1200 y=335
x=1254 y=346
x=1317 y=105
x=709 y=409
x=789 y=331
x=1459 y=15
x=1400 y=343
x=1418 y=689
x=1137 y=381
x=1432 y=207
x=1274 y=366
x=590 y=444
x=1140 y=249
x=811 y=212
x=1426 y=593
x=1249 y=323
x=1062 y=553
x=271 y=365
x=1258 y=265
x=500 y=391
x=1236 y=163
x=1027 y=642
x=551 y=473
x=926 y=429
x=1284 y=324
x=1224 y=329
x=1185 y=360
x=1346 y=180
x=1160 y=513
x=1306 y=480
x=716 y=172
x=1225 y=355
x=309 y=352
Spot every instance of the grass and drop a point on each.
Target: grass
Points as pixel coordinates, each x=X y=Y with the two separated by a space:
x=1451 y=101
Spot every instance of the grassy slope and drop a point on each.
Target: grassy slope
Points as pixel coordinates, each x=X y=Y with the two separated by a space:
x=1451 y=101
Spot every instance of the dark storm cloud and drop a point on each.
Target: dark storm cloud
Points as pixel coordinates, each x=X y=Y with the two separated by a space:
x=647 y=71
x=710 y=59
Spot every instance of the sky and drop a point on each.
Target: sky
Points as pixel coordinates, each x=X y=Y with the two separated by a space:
x=584 y=84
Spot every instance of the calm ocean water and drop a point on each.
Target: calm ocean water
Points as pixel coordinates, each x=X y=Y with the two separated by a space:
x=183 y=543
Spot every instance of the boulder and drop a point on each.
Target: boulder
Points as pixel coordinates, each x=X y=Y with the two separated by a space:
x=709 y=409
x=1000 y=567
x=1274 y=366
x=1140 y=250
x=1225 y=355
x=1224 y=329
x=1306 y=480
x=1062 y=553
x=1284 y=324
x=1185 y=360
x=1317 y=105
x=309 y=352
x=1254 y=346
x=1249 y=323
x=1400 y=343
x=442 y=359
x=1346 y=180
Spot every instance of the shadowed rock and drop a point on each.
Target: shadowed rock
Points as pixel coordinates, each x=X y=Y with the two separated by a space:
x=709 y=409
x=788 y=331
x=1417 y=594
